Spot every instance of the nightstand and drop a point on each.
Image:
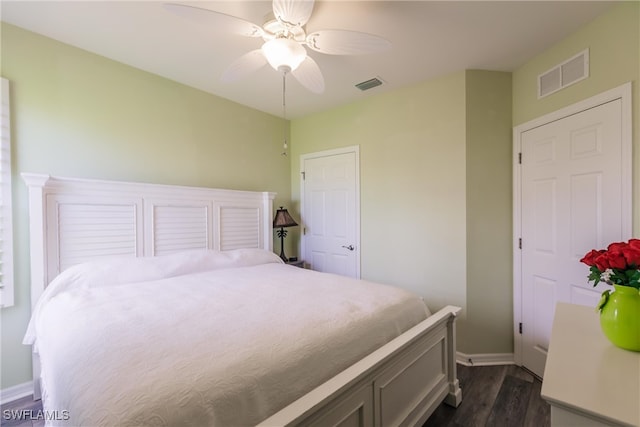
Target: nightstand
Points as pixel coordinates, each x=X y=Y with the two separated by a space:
x=298 y=263
x=587 y=380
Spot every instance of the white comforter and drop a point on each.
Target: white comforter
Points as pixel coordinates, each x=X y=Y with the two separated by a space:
x=203 y=339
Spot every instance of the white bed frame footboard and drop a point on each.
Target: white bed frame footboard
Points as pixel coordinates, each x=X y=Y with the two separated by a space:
x=400 y=384
x=78 y=220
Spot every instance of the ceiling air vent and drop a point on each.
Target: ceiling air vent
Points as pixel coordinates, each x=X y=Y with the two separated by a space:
x=569 y=72
x=369 y=84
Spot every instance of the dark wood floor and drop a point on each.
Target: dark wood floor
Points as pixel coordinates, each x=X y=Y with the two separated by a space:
x=495 y=396
x=22 y=413
x=492 y=396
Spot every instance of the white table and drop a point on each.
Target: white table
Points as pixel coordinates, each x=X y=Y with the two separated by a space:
x=587 y=380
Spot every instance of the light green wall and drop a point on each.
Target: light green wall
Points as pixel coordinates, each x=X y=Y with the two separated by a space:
x=435 y=171
x=489 y=214
x=435 y=176
x=412 y=179
x=613 y=40
x=425 y=224
x=78 y=114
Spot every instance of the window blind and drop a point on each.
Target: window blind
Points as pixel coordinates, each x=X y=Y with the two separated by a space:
x=6 y=227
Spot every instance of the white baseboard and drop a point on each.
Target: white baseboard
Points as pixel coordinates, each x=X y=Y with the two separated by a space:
x=16 y=392
x=486 y=359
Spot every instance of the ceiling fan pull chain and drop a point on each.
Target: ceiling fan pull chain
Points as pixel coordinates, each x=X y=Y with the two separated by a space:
x=284 y=91
x=284 y=111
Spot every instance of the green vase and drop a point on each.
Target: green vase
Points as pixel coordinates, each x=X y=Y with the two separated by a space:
x=620 y=317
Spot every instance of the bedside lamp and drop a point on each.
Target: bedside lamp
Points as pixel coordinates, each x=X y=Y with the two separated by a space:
x=282 y=220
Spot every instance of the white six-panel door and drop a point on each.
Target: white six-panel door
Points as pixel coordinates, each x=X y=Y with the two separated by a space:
x=330 y=211
x=574 y=191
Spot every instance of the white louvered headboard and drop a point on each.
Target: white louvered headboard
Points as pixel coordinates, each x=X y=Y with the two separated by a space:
x=77 y=220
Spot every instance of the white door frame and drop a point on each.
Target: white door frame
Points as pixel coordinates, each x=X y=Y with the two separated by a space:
x=623 y=93
x=344 y=150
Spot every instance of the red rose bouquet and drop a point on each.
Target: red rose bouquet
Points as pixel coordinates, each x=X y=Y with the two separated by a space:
x=619 y=264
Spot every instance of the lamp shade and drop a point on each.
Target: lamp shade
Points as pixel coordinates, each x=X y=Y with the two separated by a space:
x=283 y=219
x=283 y=53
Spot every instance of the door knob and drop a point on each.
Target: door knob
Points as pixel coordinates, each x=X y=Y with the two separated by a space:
x=350 y=247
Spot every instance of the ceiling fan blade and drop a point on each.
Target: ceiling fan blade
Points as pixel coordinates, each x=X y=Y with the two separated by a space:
x=216 y=20
x=293 y=12
x=243 y=66
x=309 y=75
x=343 y=42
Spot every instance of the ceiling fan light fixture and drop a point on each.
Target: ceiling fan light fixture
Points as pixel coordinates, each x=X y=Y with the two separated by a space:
x=284 y=54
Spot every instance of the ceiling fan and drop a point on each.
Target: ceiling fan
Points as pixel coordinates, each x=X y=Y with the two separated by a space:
x=285 y=37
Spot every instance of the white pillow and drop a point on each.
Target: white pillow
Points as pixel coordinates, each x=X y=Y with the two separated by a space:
x=120 y=271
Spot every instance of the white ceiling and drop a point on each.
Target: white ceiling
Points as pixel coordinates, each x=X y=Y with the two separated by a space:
x=429 y=39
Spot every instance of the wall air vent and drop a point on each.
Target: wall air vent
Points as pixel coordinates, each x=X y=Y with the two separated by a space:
x=565 y=74
x=369 y=84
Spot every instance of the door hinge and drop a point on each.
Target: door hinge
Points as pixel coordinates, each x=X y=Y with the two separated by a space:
x=303 y=175
x=520 y=243
x=520 y=328
x=304 y=231
x=520 y=158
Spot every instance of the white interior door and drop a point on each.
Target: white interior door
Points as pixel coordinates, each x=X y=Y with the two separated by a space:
x=574 y=183
x=330 y=211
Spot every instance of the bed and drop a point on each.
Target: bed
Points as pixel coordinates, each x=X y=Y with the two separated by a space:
x=165 y=305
